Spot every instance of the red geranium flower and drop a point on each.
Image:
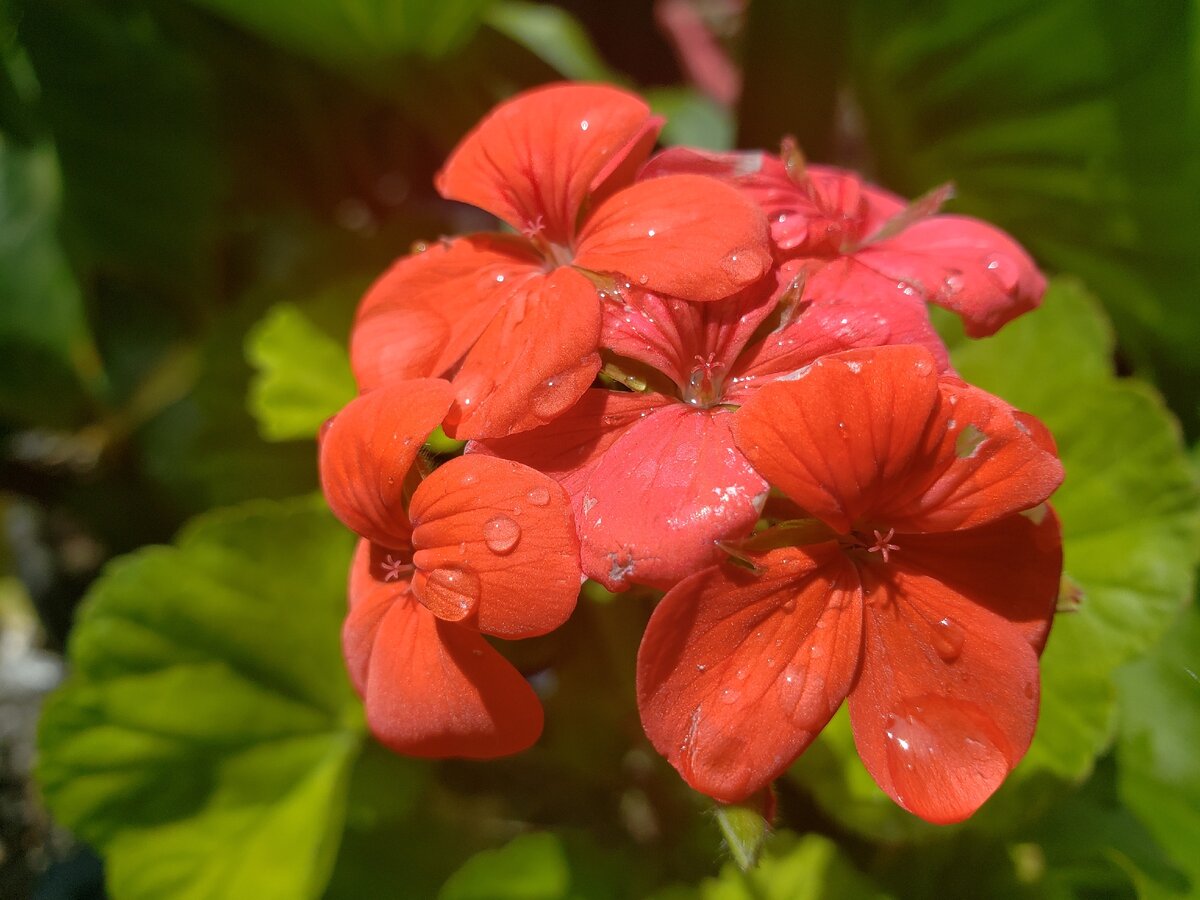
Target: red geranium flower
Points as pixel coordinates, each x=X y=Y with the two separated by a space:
x=481 y=546
x=655 y=477
x=911 y=582
x=855 y=238
x=516 y=318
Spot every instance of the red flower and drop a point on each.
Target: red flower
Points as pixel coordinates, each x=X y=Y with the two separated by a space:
x=481 y=546
x=655 y=478
x=516 y=318
x=918 y=588
x=858 y=239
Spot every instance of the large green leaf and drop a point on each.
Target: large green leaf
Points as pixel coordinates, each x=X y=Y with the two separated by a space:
x=354 y=33
x=205 y=738
x=1131 y=526
x=1073 y=124
x=1159 y=776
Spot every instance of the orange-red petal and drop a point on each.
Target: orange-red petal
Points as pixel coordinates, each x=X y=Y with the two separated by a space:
x=946 y=701
x=422 y=315
x=533 y=159
x=367 y=450
x=683 y=235
x=436 y=689
x=534 y=360
x=739 y=671
x=495 y=547
x=847 y=435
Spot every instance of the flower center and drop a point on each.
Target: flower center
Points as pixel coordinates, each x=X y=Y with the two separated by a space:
x=705 y=382
x=877 y=542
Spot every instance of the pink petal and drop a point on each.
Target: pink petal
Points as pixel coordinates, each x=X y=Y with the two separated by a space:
x=663 y=493
x=963 y=264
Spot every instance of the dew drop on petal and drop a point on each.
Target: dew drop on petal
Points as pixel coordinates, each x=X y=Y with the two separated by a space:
x=643 y=278
x=729 y=695
x=1004 y=272
x=538 y=496
x=552 y=397
x=451 y=592
x=501 y=534
x=948 y=639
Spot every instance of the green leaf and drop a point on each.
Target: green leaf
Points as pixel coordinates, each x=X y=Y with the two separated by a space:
x=303 y=375
x=554 y=36
x=1089 y=157
x=745 y=830
x=692 y=118
x=45 y=348
x=1129 y=509
x=356 y=33
x=1159 y=770
x=792 y=868
x=529 y=867
x=130 y=112
x=205 y=738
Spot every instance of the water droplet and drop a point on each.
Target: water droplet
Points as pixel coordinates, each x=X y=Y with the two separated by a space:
x=923 y=365
x=583 y=125
x=451 y=593
x=643 y=278
x=468 y=479
x=742 y=266
x=729 y=695
x=1004 y=272
x=953 y=283
x=538 y=496
x=700 y=667
x=651 y=233
x=741 y=674
x=948 y=639
x=499 y=279
x=501 y=534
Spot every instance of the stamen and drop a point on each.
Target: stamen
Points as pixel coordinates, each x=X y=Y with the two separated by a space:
x=883 y=545
x=393 y=568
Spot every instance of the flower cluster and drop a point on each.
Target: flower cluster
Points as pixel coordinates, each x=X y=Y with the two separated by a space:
x=714 y=376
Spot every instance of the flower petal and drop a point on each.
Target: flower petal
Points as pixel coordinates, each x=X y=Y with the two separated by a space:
x=684 y=235
x=369 y=602
x=571 y=446
x=435 y=689
x=847 y=435
x=739 y=671
x=843 y=306
x=682 y=339
x=495 y=547
x=963 y=264
x=663 y=493
x=946 y=702
x=532 y=159
x=533 y=362
x=422 y=315
x=367 y=450
x=991 y=461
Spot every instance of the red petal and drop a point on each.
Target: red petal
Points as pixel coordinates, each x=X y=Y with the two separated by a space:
x=946 y=703
x=495 y=546
x=847 y=436
x=663 y=493
x=426 y=311
x=533 y=362
x=532 y=159
x=679 y=338
x=738 y=671
x=436 y=689
x=963 y=264
x=686 y=236
x=844 y=306
x=571 y=446
x=367 y=450
x=991 y=460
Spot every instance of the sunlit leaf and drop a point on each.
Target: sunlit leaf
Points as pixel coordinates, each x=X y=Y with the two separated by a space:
x=205 y=738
